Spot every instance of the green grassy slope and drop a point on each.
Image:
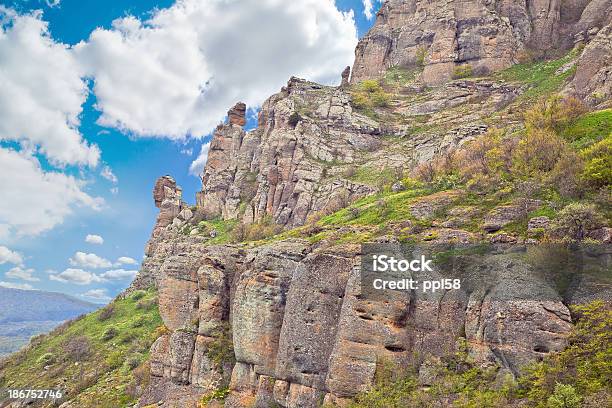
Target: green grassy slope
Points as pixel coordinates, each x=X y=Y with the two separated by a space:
x=97 y=360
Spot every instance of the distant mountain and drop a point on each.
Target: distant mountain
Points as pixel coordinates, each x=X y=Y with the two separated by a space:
x=25 y=313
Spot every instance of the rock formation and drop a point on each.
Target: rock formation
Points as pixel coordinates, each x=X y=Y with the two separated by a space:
x=286 y=323
x=484 y=35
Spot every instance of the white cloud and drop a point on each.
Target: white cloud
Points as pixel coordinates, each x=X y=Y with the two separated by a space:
x=6 y=255
x=108 y=174
x=97 y=294
x=53 y=3
x=42 y=91
x=368 y=8
x=94 y=239
x=197 y=166
x=76 y=276
x=177 y=74
x=118 y=274
x=126 y=260
x=20 y=273
x=34 y=200
x=89 y=261
x=114 y=190
x=11 y=285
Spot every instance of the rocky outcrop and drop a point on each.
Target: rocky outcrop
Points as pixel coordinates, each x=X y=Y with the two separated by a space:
x=279 y=169
x=592 y=81
x=484 y=35
x=289 y=323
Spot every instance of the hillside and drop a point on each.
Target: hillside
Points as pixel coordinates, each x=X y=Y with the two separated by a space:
x=476 y=134
x=25 y=313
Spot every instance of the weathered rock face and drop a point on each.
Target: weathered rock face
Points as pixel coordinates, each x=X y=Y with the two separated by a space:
x=486 y=35
x=303 y=332
x=593 y=79
x=278 y=169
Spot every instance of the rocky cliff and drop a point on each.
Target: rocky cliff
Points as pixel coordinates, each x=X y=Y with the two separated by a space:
x=282 y=321
x=485 y=36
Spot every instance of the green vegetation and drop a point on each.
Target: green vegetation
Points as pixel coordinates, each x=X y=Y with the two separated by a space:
x=589 y=129
x=462 y=71
x=399 y=76
x=580 y=373
x=372 y=176
x=216 y=395
x=369 y=94
x=218 y=230
x=543 y=77
x=97 y=360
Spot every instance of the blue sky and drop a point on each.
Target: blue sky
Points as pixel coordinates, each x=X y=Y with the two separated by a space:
x=139 y=133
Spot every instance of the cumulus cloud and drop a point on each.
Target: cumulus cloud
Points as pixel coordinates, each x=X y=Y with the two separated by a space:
x=42 y=91
x=368 y=8
x=8 y=256
x=118 y=274
x=53 y=3
x=126 y=260
x=12 y=285
x=197 y=166
x=21 y=273
x=89 y=261
x=76 y=276
x=94 y=239
x=35 y=200
x=176 y=74
x=108 y=174
x=97 y=294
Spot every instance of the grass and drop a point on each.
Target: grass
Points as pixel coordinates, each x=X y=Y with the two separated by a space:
x=222 y=228
x=373 y=176
x=102 y=377
x=540 y=76
x=589 y=129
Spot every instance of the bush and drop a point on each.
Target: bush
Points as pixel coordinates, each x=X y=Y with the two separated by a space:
x=221 y=349
x=370 y=94
x=576 y=219
x=598 y=168
x=538 y=152
x=462 y=71
x=106 y=313
x=566 y=174
x=565 y=396
x=137 y=295
x=46 y=359
x=133 y=362
x=77 y=348
x=555 y=113
x=109 y=333
x=420 y=55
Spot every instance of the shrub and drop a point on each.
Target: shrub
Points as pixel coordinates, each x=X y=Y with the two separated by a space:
x=109 y=333
x=554 y=113
x=221 y=349
x=565 y=396
x=565 y=176
x=576 y=219
x=137 y=295
x=420 y=55
x=133 y=362
x=370 y=94
x=46 y=359
x=462 y=71
x=77 y=348
x=106 y=313
x=598 y=168
x=538 y=152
